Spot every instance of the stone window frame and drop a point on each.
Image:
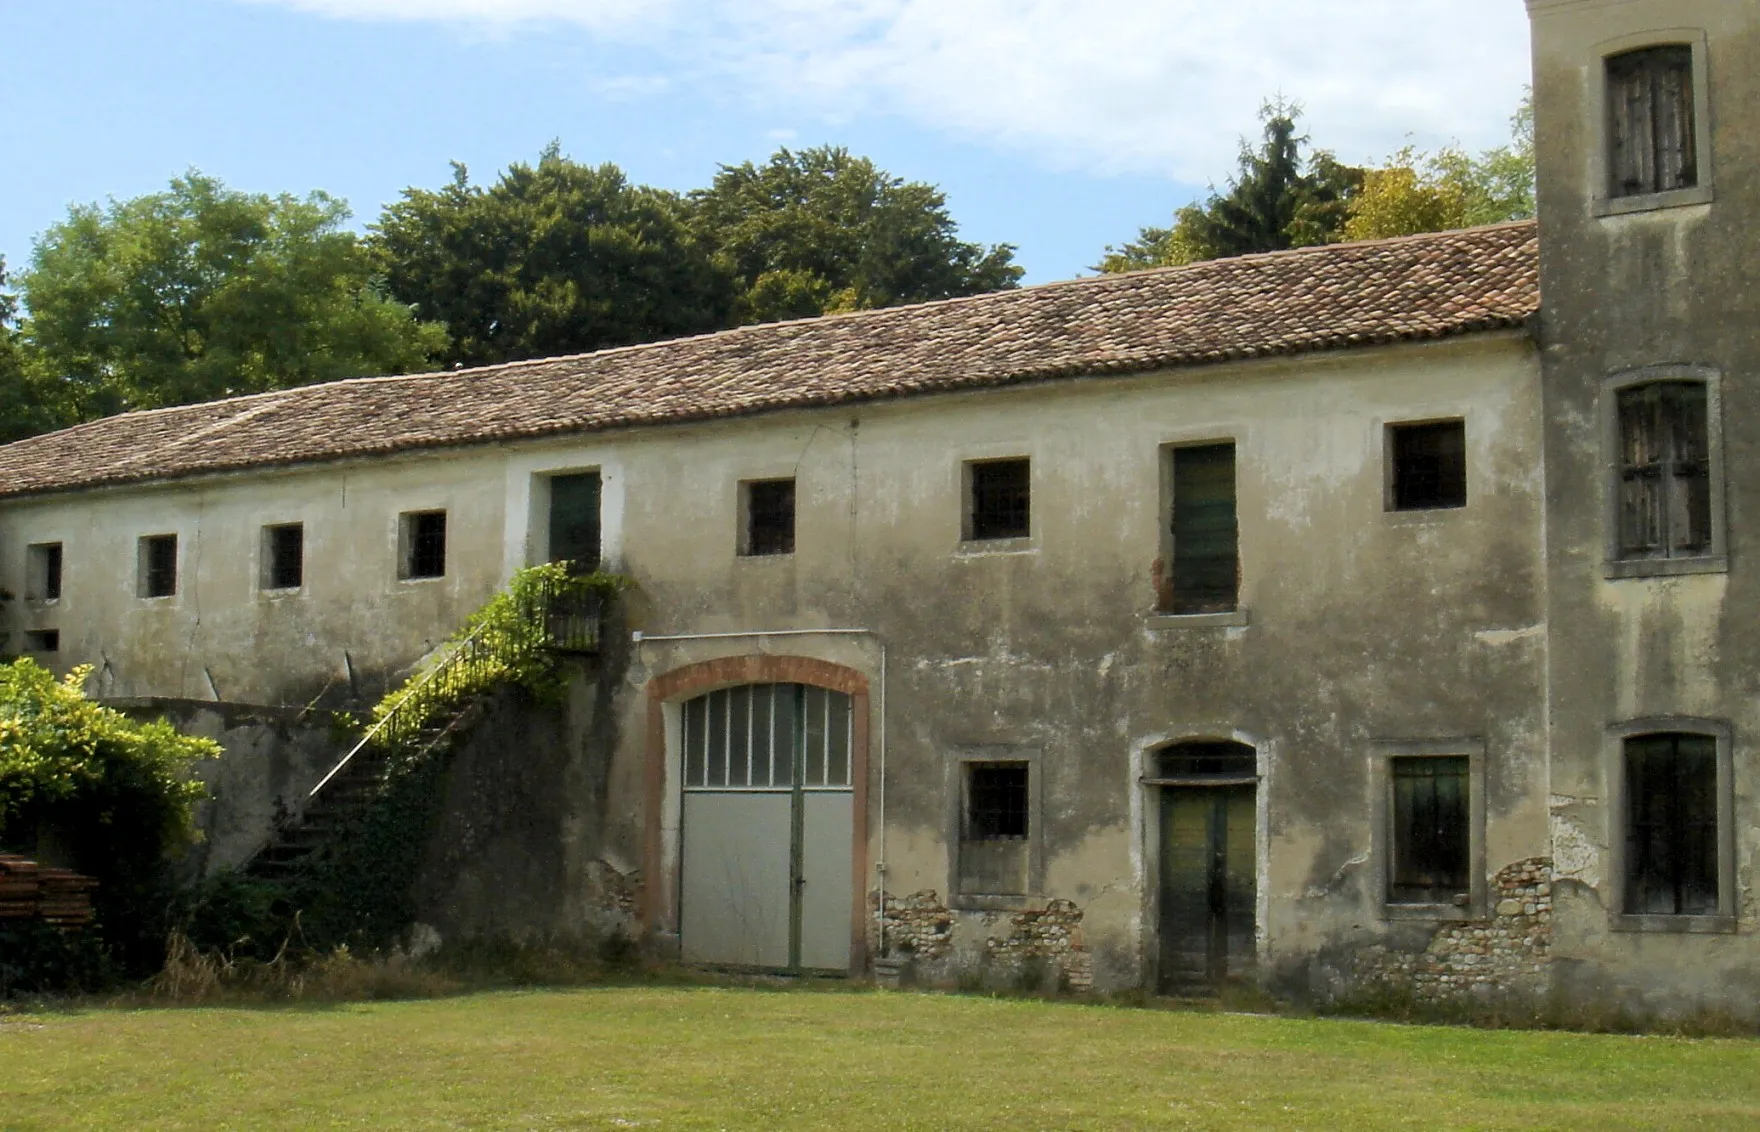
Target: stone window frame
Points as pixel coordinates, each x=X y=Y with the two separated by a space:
x=1613 y=759
x=1602 y=202
x=1381 y=756
x=266 y=589
x=1717 y=561
x=404 y=534
x=956 y=776
x=143 y=571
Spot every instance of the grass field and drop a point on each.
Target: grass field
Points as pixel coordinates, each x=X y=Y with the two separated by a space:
x=694 y=1057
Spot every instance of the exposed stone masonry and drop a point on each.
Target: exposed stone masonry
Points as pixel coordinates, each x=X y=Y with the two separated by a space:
x=1509 y=951
x=921 y=930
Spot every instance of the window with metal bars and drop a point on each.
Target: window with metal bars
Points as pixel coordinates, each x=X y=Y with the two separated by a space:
x=767 y=737
x=284 y=556
x=1665 y=471
x=423 y=536
x=1429 y=465
x=996 y=801
x=769 y=515
x=1000 y=506
x=43 y=572
x=1651 y=121
x=1203 y=532
x=157 y=566
x=1671 y=809
x=1432 y=838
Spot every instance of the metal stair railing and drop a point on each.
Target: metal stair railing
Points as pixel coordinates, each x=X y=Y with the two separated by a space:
x=553 y=617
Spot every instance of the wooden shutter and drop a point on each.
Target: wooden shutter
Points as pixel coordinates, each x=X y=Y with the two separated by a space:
x=1206 y=554
x=1641 y=500
x=1689 y=484
x=1672 y=86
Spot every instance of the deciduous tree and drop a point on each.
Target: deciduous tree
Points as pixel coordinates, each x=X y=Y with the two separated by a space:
x=1420 y=192
x=818 y=230
x=553 y=258
x=201 y=292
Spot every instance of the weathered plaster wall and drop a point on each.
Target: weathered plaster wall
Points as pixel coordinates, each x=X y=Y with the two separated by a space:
x=1362 y=626
x=272 y=759
x=519 y=851
x=1672 y=286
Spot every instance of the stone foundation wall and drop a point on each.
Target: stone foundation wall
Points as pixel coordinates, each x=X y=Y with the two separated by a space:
x=1508 y=952
x=946 y=946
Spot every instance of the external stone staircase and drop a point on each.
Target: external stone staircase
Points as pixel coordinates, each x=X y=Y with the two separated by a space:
x=441 y=704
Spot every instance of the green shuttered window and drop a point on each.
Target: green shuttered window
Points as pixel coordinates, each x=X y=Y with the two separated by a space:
x=1205 y=573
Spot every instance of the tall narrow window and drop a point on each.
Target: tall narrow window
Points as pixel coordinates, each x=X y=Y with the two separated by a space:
x=1665 y=471
x=43 y=572
x=1671 y=825
x=574 y=521
x=1432 y=832
x=423 y=550
x=1651 y=121
x=1000 y=504
x=995 y=851
x=284 y=557
x=769 y=517
x=1429 y=465
x=156 y=566
x=1204 y=575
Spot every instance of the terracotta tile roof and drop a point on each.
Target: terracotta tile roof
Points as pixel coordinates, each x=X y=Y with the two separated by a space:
x=1285 y=303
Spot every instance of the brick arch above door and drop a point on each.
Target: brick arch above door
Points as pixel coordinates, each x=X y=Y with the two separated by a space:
x=724 y=672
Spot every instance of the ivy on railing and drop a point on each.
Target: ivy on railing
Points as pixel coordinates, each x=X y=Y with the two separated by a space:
x=514 y=639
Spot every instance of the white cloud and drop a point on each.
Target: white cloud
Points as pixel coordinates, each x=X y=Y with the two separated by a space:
x=1115 y=85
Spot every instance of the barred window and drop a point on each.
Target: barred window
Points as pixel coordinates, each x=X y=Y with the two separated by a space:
x=1651 y=121
x=1001 y=500
x=769 y=517
x=1665 y=471
x=284 y=552
x=156 y=567
x=1429 y=465
x=768 y=737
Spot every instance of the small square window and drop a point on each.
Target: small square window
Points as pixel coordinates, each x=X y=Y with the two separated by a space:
x=42 y=640
x=1429 y=465
x=43 y=572
x=423 y=550
x=156 y=566
x=284 y=556
x=1652 y=126
x=1000 y=500
x=769 y=517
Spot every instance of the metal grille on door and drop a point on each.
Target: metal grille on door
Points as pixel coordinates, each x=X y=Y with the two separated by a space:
x=767 y=823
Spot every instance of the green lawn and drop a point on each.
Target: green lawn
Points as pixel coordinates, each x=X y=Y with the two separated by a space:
x=736 y=1058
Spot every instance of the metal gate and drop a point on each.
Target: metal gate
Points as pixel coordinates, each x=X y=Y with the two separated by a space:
x=767 y=826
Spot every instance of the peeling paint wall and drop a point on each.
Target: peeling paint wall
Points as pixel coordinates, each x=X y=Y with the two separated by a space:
x=1664 y=286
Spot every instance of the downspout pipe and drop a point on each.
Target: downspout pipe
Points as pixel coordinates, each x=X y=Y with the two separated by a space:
x=639 y=638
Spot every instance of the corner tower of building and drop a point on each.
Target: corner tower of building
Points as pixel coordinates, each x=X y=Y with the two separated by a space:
x=1647 y=116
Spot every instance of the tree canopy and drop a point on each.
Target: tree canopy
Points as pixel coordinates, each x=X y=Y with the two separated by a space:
x=201 y=292
x=25 y=406
x=1287 y=195
x=553 y=258
x=1283 y=195
x=817 y=231
x=114 y=794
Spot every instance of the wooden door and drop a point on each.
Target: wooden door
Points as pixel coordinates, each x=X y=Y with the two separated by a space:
x=1209 y=886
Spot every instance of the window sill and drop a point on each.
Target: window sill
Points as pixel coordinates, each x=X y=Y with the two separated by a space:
x=281 y=593
x=995 y=547
x=1403 y=516
x=1667 y=567
x=1229 y=619
x=759 y=559
x=424 y=580
x=1430 y=913
x=1652 y=202
x=1674 y=925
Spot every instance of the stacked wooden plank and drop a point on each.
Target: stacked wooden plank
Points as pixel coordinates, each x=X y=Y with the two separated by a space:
x=29 y=891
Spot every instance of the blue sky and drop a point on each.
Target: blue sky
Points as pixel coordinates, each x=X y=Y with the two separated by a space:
x=1057 y=125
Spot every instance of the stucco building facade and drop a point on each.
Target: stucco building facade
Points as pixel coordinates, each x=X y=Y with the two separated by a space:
x=1323 y=619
